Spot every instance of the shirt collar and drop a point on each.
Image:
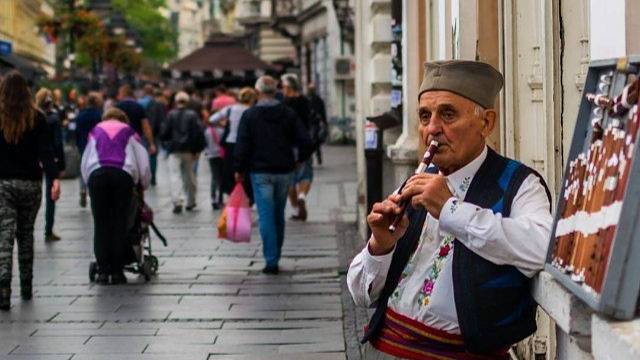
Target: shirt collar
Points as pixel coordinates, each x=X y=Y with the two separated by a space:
x=267 y=102
x=460 y=180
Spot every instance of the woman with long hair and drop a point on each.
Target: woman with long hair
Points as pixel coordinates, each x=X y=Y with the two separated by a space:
x=44 y=103
x=25 y=143
x=229 y=118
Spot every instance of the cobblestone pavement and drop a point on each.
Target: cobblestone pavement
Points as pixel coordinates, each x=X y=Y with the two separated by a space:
x=209 y=300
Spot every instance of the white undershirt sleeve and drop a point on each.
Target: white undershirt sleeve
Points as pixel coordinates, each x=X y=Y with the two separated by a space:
x=367 y=275
x=520 y=240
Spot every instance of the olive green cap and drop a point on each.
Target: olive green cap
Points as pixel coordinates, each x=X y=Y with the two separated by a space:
x=476 y=81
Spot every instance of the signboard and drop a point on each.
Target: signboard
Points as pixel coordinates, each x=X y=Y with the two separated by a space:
x=370 y=136
x=5 y=47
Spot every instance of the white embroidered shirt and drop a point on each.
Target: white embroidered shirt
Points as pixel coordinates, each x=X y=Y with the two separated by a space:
x=425 y=290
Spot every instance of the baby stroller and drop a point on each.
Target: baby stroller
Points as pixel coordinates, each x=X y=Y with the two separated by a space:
x=140 y=259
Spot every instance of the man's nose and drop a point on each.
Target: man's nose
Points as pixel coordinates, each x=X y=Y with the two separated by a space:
x=435 y=126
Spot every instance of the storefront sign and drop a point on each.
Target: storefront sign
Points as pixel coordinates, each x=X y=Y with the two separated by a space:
x=5 y=47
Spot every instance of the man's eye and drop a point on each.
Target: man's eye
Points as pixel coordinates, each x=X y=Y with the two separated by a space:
x=448 y=115
x=425 y=117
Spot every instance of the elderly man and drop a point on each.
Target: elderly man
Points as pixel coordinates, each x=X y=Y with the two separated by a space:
x=453 y=281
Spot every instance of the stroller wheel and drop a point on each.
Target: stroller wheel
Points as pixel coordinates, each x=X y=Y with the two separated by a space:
x=153 y=263
x=93 y=270
x=146 y=271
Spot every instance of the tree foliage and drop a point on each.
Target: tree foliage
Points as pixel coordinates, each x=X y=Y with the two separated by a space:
x=156 y=32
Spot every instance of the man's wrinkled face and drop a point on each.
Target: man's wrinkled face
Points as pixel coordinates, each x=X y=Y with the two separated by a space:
x=458 y=124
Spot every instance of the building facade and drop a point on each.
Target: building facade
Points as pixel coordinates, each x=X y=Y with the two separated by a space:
x=193 y=20
x=18 y=25
x=313 y=38
x=543 y=48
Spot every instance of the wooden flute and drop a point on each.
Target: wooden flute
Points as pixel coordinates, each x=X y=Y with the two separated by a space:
x=424 y=164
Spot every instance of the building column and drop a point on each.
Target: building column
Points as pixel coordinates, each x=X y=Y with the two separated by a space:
x=404 y=153
x=372 y=82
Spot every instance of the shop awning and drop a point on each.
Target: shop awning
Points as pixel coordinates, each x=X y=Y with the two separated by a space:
x=28 y=68
x=221 y=56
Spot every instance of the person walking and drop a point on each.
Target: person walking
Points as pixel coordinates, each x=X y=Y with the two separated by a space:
x=137 y=117
x=156 y=115
x=303 y=175
x=319 y=125
x=215 y=155
x=25 y=144
x=184 y=138
x=114 y=163
x=229 y=118
x=267 y=136
x=86 y=120
x=44 y=103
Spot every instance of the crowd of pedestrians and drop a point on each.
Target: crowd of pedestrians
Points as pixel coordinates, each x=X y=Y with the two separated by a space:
x=262 y=137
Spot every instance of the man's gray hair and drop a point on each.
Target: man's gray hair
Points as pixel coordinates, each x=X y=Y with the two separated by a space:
x=291 y=80
x=478 y=109
x=267 y=85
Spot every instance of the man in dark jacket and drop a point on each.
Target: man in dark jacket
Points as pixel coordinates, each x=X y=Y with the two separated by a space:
x=319 y=125
x=303 y=175
x=54 y=126
x=88 y=117
x=156 y=115
x=184 y=138
x=267 y=136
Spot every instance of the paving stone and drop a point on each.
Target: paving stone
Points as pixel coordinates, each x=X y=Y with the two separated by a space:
x=209 y=299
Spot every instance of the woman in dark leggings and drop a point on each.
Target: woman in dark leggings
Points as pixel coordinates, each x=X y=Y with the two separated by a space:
x=25 y=143
x=114 y=162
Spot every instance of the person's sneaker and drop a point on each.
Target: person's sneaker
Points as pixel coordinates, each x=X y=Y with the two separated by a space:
x=177 y=209
x=118 y=278
x=302 y=210
x=102 y=279
x=190 y=207
x=51 y=237
x=83 y=199
x=271 y=270
x=5 y=299
x=215 y=206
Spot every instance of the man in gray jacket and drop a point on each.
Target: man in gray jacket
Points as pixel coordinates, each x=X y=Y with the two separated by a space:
x=184 y=138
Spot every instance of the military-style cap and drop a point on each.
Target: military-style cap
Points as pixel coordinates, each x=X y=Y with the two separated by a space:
x=476 y=81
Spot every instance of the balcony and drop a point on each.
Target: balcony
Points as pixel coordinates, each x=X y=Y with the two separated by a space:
x=250 y=12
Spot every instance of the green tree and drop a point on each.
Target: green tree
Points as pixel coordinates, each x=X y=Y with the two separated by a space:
x=156 y=32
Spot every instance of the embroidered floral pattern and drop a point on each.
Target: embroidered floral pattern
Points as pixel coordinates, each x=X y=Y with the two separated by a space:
x=454 y=206
x=434 y=271
x=464 y=186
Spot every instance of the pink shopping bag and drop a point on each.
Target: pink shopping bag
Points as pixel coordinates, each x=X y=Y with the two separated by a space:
x=238 y=216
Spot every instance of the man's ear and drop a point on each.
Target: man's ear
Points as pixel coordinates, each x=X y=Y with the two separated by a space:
x=489 y=121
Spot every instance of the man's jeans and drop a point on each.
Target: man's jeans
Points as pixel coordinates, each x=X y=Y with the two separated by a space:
x=270 y=194
x=182 y=178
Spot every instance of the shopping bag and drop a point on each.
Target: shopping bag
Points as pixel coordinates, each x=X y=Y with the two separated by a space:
x=237 y=216
x=222 y=225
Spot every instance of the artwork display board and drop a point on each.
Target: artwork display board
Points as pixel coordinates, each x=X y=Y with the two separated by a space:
x=595 y=239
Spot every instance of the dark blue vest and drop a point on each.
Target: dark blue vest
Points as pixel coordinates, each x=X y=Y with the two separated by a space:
x=493 y=302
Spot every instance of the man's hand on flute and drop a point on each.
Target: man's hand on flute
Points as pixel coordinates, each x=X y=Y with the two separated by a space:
x=382 y=215
x=429 y=191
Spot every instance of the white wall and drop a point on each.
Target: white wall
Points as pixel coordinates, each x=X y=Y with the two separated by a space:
x=607 y=29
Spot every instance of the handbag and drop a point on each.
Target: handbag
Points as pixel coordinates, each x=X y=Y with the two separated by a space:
x=217 y=140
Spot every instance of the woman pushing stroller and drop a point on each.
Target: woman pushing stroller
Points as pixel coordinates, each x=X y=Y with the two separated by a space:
x=114 y=163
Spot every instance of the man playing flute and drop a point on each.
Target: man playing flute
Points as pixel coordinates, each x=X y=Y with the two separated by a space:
x=453 y=281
